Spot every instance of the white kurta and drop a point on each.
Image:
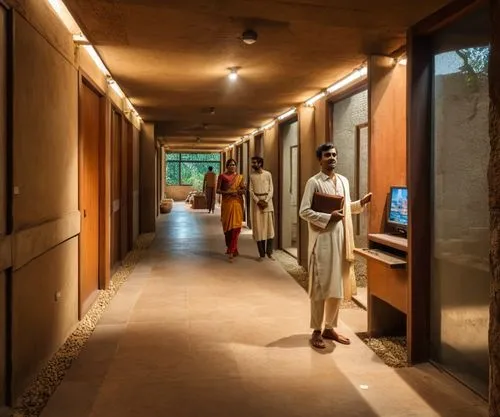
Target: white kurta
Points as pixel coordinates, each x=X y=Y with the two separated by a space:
x=330 y=244
x=261 y=188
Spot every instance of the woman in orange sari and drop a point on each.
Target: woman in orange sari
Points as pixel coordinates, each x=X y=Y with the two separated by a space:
x=232 y=187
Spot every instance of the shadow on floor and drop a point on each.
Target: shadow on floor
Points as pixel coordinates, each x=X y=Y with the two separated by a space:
x=298 y=341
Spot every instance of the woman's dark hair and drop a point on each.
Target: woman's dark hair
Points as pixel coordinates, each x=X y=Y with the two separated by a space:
x=229 y=161
x=323 y=148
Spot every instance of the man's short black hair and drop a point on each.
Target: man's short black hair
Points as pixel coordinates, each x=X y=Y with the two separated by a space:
x=259 y=160
x=210 y=168
x=324 y=148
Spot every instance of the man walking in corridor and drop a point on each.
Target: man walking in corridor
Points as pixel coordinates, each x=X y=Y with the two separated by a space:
x=262 y=210
x=209 y=182
x=331 y=243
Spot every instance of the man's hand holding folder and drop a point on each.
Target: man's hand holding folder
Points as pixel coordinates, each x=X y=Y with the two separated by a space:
x=329 y=203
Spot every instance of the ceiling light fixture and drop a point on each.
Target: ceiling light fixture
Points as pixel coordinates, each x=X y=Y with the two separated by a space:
x=353 y=76
x=114 y=85
x=314 y=99
x=65 y=16
x=287 y=113
x=97 y=59
x=79 y=38
x=233 y=73
x=249 y=36
x=403 y=61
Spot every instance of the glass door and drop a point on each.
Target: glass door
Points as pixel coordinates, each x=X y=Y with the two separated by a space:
x=460 y=261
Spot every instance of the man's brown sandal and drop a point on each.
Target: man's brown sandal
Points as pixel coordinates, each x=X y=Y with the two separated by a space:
x=317 y=341
x=330 y=334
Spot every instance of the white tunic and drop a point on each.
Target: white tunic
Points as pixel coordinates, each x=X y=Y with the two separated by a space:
x=330 y=244
x=261 y=188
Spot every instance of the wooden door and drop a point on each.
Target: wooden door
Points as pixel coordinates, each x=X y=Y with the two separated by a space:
x=90 y=130
x=116 y=182
x=130 y=186
x=124 y=191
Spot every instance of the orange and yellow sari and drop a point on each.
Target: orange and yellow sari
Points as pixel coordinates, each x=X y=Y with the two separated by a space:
x=231 y=209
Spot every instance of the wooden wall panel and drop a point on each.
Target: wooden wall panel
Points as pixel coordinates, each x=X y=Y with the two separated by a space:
x=308 y=166
x=271 y=164
x=147 y=179
x=136 y=176
x=124 y=175
x=105 y=188
x=130 y=186
x=387 y=110
x=321 y=120
x=116 y=142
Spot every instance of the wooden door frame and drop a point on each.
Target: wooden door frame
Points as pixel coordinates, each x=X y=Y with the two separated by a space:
x=103 y=234
x=114 y=109
x=357 y=153
x=278 y=218
x=130 y=185
x=419 y=172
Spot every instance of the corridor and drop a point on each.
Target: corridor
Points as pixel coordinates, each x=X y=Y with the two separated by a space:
x=190 y=334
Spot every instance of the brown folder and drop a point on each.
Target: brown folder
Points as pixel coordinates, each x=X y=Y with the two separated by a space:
x=327 y=203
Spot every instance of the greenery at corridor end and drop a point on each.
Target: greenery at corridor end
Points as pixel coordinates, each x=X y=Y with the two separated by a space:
x=189 y=168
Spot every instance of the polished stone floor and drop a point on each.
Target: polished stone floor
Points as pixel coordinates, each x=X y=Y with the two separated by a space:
x=190 y=334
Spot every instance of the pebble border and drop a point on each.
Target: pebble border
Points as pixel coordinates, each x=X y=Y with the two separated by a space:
x=36 y=396
x=392 y=350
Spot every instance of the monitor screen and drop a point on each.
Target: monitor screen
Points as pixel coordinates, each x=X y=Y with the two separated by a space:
x=398 y=206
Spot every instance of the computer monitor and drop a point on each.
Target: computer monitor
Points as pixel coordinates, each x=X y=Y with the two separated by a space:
x=397 y=212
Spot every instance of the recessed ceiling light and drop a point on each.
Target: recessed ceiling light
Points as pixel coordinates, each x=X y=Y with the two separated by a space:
x=233 y=73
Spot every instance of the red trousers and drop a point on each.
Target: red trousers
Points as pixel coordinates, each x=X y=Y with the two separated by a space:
x=232 y=240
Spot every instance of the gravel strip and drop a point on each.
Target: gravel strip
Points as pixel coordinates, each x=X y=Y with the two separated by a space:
x=51 y=375
x=392 y=350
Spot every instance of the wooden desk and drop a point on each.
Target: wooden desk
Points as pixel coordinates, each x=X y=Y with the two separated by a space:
x=387 y=284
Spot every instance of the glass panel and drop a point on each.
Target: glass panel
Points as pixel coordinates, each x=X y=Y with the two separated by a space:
x=192 y=173
x=173 y=173
x=461 y=276
x=173 y=156
x=201 y=157
x=192 y=168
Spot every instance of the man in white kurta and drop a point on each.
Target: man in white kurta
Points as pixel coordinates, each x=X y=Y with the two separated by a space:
x=331 y=244
x=262 y=210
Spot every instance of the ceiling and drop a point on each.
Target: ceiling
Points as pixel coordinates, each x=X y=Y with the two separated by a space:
x=171 y=56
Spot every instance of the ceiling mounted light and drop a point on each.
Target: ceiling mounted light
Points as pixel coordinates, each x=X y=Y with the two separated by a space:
x=249 y=36
x=353 y=76
x=233 y=73
x=287 y=114
x=314 y=99
x=403 y=61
